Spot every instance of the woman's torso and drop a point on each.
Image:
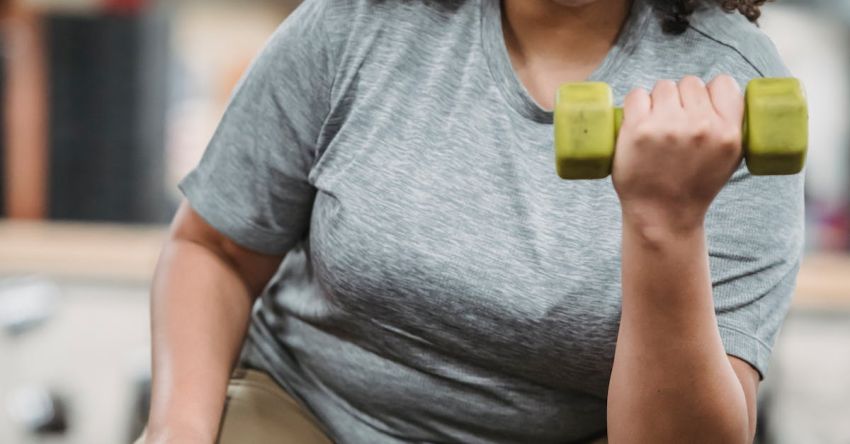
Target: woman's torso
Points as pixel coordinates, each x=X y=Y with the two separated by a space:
x=452 y=288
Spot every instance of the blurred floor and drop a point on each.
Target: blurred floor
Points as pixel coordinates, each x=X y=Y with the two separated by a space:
x=91 y=352
x=95 y=346
x=809 y=387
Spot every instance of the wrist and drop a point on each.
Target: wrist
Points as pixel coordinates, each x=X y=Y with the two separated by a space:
x=656 y=227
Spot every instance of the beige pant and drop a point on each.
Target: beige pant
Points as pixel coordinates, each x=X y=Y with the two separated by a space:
x=259 y=411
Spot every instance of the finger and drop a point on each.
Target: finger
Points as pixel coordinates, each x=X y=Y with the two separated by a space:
x=637 y=104
x=727 y=99
x=665 y=96
x=695 y=97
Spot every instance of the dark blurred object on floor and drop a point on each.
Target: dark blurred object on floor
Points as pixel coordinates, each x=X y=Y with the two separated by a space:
x=38 y=410
x=141 y=404
x=25 y=304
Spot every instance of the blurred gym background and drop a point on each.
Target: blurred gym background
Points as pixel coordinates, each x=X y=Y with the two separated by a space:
x=106 y=104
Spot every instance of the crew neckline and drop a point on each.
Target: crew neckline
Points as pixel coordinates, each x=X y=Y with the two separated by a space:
x=514 y=91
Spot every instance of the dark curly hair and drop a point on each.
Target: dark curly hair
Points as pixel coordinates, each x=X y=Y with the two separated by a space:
x=675 y=13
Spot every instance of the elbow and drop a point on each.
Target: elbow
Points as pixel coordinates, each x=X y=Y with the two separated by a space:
x=730 y=413
x=712 y=415
x=729 y=426
x=720 y=427
x=724 y=420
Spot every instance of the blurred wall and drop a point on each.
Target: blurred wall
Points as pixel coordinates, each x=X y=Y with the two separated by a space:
x=213 y=44
x=814 y=45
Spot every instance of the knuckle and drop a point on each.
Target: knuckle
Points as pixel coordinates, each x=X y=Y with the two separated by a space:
x=729 y=139
x=724 y=83
x=722 y=78
x=669 y=134
x=635 y=97
x=701 y=129
x=726 y=78
x=700 y=132
x=664 y=85
x=643 y=133
x=692 y=81
x=636 y=92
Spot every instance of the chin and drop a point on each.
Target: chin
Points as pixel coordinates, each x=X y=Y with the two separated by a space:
x=574 y=3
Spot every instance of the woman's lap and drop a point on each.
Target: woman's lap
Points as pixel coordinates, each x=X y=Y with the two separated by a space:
x=257 y=410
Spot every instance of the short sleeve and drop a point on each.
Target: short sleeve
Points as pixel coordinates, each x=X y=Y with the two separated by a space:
x=755 y=226
x=755 y=240
x=252 y=181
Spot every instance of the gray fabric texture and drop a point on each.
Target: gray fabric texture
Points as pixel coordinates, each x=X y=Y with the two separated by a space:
x=441 y=283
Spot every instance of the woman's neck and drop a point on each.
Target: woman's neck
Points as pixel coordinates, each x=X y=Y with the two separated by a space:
x=555 y=41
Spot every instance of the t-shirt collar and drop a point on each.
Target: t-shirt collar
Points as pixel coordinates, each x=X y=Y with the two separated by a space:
x=498 y=59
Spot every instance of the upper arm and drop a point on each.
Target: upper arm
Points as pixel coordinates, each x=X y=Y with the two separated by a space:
x=254 y=268
x=749 y=378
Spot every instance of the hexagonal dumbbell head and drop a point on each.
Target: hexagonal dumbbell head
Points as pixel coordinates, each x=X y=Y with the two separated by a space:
x=776 y=132
x=585 y=130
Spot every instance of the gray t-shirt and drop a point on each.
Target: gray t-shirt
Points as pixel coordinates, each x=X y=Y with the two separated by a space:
x=441 y=283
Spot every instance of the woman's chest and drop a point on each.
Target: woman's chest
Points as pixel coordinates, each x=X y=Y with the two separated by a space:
x=455 y=229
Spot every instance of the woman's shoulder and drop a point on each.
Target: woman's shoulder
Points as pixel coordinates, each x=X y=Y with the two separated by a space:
x=742 y=41
x=367 y=37
x=359 y=27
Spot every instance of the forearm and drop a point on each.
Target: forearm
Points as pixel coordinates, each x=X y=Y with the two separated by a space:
x=200 y=309
x=672 y=380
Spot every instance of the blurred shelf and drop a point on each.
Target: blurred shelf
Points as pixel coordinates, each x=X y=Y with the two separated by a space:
x=824 y=283
x=93 y=251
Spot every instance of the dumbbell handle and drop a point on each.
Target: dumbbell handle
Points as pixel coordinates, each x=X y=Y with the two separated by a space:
x=774 y=133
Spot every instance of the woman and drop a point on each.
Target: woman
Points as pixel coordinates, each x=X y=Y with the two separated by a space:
x=386 y=167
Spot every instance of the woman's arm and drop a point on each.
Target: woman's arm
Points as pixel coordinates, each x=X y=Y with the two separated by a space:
x=202 y=294
x=672 y=380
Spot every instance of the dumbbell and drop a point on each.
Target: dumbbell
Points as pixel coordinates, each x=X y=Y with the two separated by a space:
x=775 y=129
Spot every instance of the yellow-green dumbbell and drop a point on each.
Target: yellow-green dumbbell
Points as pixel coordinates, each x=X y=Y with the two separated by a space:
x=775 y=132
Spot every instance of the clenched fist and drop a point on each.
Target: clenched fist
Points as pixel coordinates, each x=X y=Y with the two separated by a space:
x=677 y=148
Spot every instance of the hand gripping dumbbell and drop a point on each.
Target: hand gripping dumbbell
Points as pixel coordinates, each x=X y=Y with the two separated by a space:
x=775 y=128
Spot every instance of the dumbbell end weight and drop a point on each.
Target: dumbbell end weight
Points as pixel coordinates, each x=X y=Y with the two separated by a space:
x=775 y=131
x=776 y=126
x=585 y=132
